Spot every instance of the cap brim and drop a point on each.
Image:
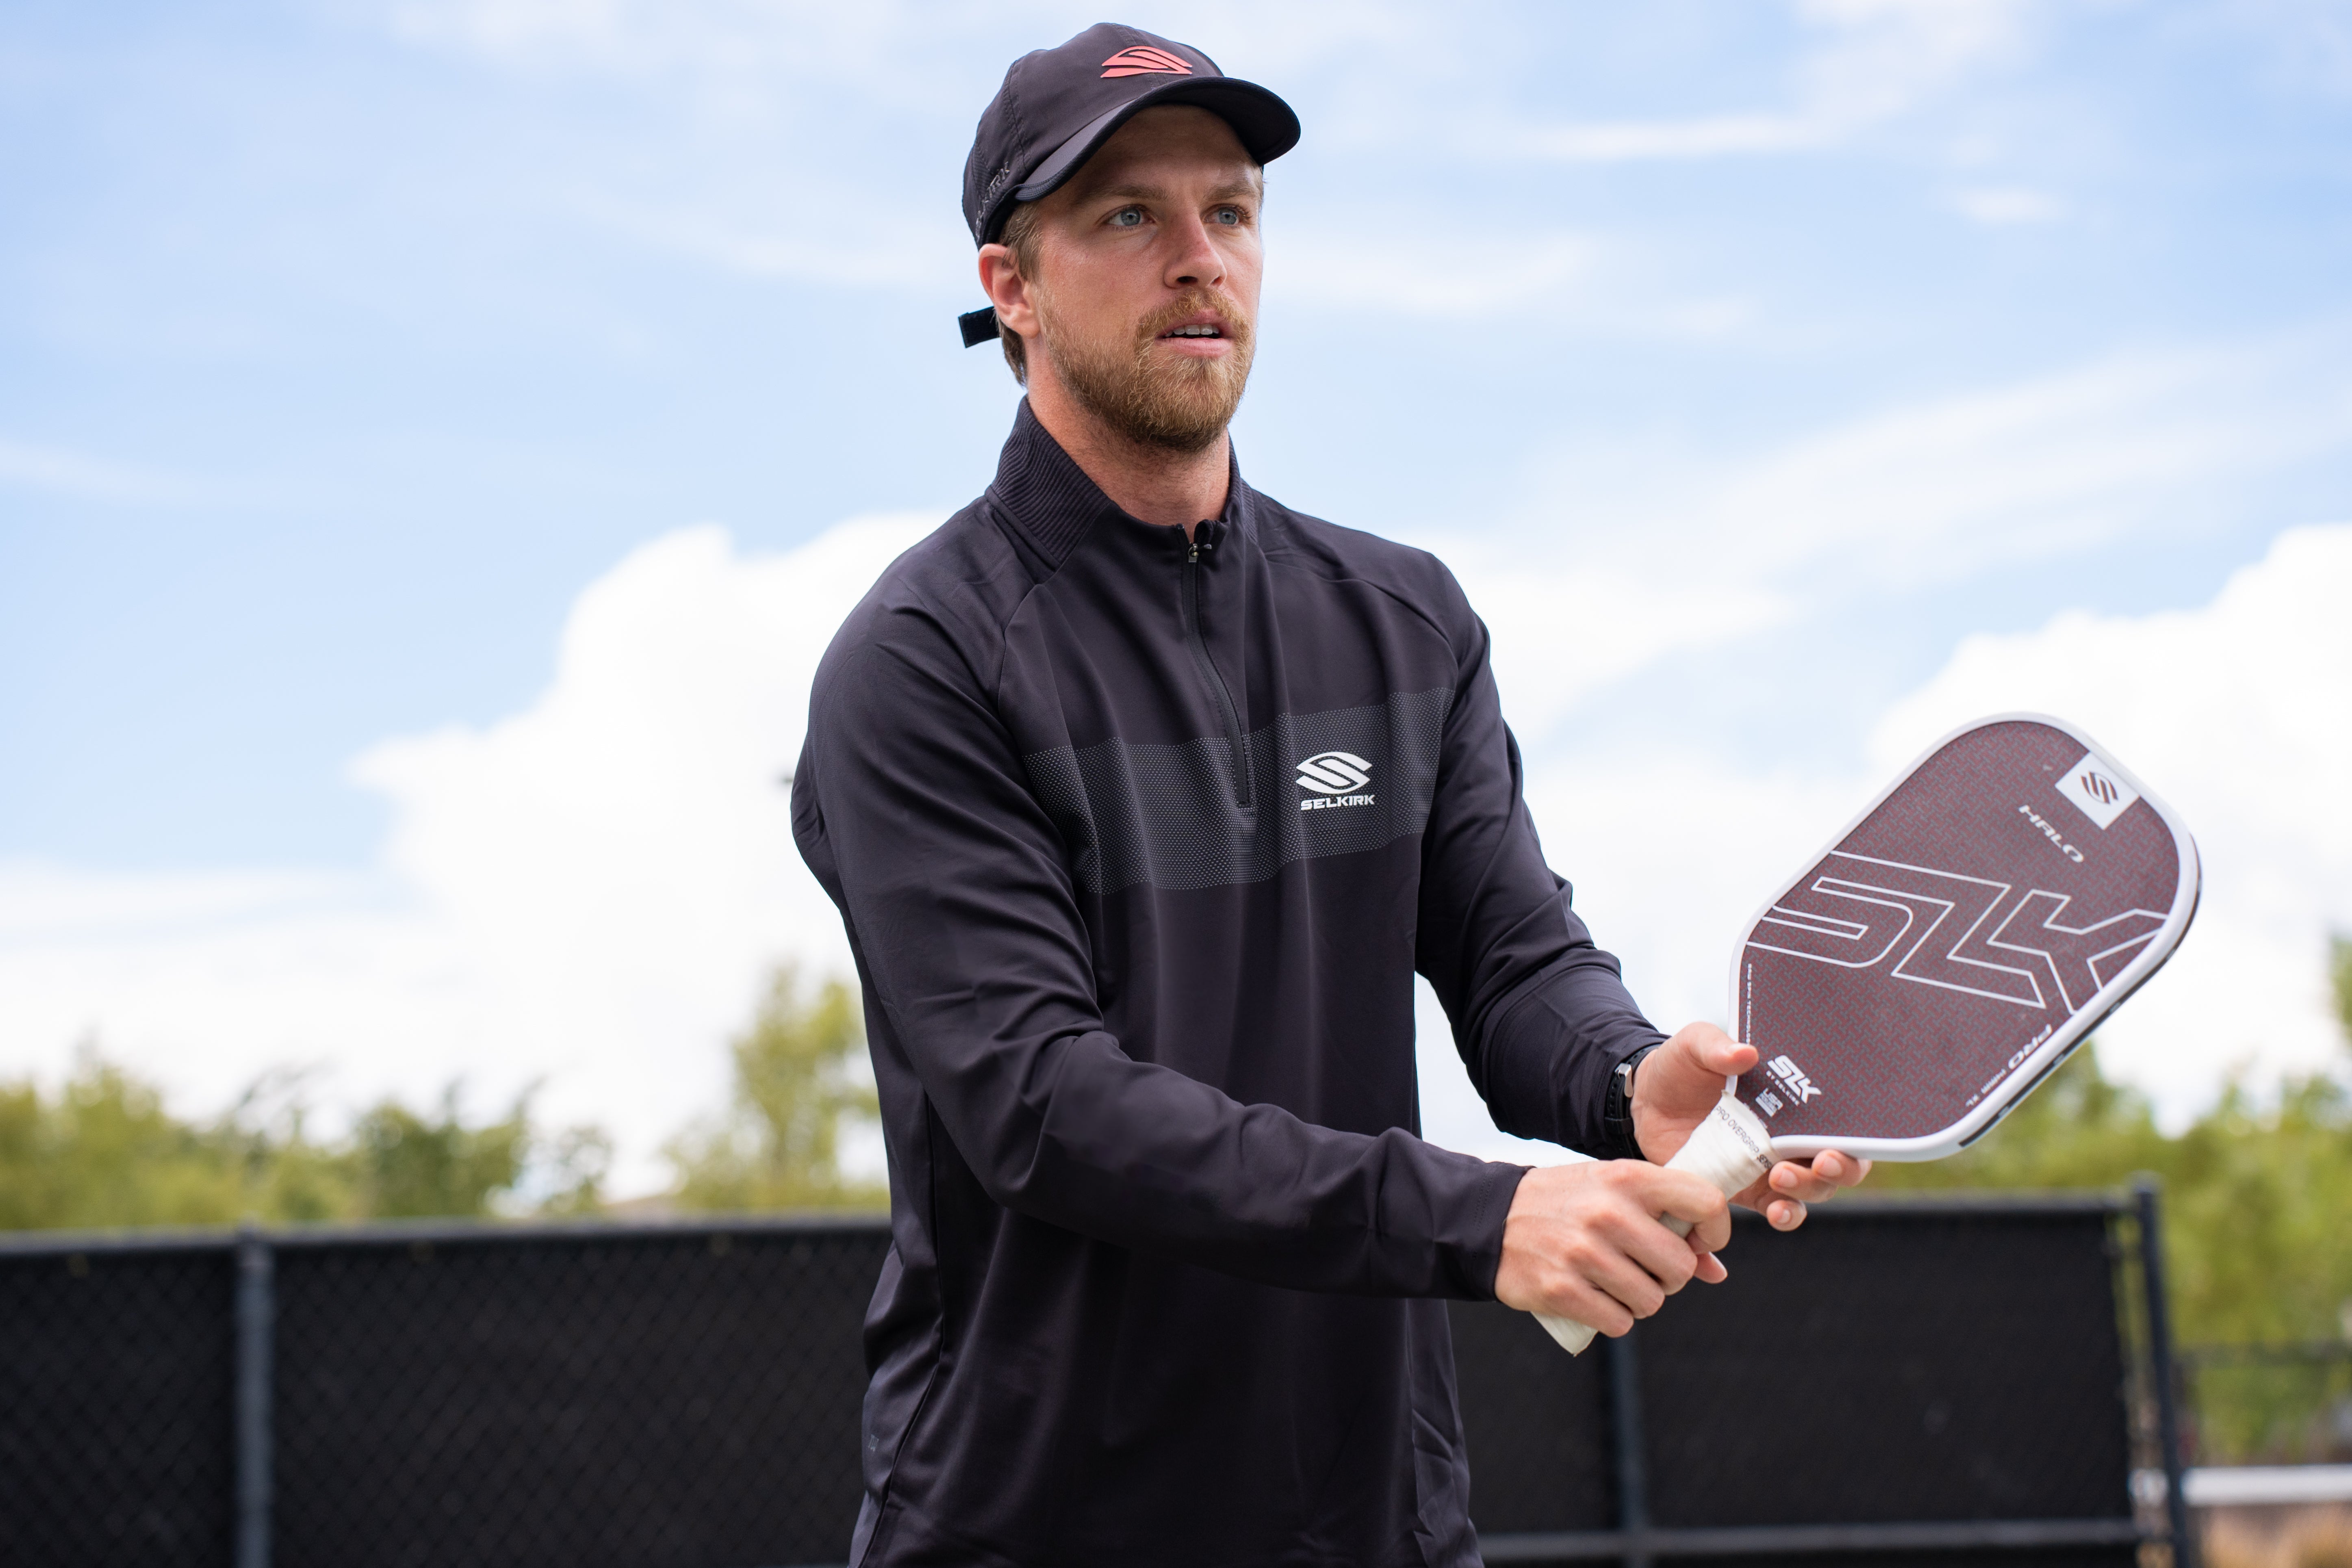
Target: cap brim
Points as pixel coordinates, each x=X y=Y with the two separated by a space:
x=1264 y=124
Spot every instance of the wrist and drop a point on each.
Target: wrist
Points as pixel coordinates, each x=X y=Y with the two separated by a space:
x=1617 y=1124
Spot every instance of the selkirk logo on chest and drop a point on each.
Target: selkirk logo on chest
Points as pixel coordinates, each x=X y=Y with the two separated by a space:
x=1335 y=779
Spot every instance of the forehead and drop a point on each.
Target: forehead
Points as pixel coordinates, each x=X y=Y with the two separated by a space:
x=1167 y=146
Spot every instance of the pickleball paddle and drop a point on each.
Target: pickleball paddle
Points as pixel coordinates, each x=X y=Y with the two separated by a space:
x=1943 y=955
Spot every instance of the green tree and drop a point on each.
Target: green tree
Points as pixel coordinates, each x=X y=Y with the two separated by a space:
x=575 y=1164
x=410 y=1166
x=105 y=1152
x=795 y=1076
x=2078 y=1130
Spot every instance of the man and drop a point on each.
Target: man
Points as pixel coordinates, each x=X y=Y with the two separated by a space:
x=1143 y=798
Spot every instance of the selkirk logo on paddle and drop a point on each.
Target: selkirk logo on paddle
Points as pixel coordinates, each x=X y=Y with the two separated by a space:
x=2093 y=788
x=1792 y=1082
x=1335 y=778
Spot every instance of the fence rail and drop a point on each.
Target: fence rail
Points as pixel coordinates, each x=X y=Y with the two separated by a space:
x=1926 y=1381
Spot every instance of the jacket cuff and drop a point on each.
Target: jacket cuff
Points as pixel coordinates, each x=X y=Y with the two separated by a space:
x=1502 y=1185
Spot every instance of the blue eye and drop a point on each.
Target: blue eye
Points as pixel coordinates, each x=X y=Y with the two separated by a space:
x=1126 y=217
x=1228 y=215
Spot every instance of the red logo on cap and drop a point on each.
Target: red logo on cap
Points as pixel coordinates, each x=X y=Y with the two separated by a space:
x=1142 y=60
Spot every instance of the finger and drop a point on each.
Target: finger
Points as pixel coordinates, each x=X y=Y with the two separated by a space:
x=1669 y=1260
x=1790 y=1179
x=1581 y=1301
x=1784 y=1214
x=1822 y=1178
x=1690 y=1198
x=1710 y=1270
x=1843 y=1169
x=1627 y=1281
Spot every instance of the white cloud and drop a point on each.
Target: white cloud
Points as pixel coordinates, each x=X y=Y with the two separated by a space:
x=587 y=892
x=1882 y=57
x=728 y=37
x=38 y=900
x=1318 y=267
x=1563 y=633
x=891 y=50
x=1942 y=491
x=207 y=981
x=770 y=138
x=1624 y=553
x=82 y=478
x=1626 y=141
x=2235 y=712
x=1320 y=262
x=1878 y=59
x=2003 y=206
x=2309 y=41
x=2240 y=714
x=1669 y=857
x=591 y=889
x=859 y=243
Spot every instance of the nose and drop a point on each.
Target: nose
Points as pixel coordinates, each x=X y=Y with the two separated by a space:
x=1194 y=260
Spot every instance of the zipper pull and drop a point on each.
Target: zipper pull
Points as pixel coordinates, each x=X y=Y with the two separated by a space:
x=1195 y=556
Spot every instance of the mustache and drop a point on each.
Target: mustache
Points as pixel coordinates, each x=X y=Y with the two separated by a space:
x=1192 y=302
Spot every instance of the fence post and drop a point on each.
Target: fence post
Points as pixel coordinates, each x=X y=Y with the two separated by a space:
x=2163 y=1373
x=1633 y=1461
x=256 y=1308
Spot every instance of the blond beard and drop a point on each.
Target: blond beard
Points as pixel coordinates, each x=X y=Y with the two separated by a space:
x=1178 y=408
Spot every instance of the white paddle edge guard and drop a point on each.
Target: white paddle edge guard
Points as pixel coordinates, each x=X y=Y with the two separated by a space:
x=1731 y=1150
x=2031 y=1068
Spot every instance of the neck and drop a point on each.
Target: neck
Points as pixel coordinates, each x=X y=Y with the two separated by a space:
x=1152 y=483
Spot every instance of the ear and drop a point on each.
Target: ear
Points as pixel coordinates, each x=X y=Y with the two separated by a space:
x=1000 y=275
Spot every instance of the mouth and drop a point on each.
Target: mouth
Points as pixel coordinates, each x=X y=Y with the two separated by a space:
x=1199 y=331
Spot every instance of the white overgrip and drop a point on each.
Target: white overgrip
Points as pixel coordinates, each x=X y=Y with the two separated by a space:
x=1730 y=1149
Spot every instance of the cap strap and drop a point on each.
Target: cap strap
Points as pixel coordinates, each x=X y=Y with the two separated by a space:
x=978 y=326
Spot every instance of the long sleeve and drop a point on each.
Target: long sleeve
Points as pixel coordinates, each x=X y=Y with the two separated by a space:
x=913 y=808
x=1540 y=1014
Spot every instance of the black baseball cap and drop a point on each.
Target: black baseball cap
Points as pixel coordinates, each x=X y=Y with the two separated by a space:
x=1059 y=105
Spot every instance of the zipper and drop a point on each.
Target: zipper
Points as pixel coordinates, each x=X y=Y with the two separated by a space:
x=1216 y=683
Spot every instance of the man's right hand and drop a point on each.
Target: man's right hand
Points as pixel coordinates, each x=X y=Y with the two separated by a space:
x=1584 y=1242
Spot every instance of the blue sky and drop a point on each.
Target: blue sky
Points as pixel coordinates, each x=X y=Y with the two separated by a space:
x=344 y=346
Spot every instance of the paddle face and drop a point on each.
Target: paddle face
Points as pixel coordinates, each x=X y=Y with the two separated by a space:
x=1956 y=941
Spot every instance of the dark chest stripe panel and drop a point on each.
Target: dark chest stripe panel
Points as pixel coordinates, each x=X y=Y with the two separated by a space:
x=1167 y=816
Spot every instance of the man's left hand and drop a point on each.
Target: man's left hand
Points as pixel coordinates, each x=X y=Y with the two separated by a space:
x=1676 y=1085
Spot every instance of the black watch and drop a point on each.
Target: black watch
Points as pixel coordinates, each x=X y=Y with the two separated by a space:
x=1617 y=1108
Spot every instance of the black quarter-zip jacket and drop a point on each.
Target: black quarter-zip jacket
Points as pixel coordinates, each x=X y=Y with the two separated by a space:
x=1139 y=842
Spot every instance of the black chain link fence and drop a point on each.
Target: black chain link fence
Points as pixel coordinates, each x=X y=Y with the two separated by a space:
x=116 y=1370
x=1890 y=1366
x=1895 y=1383
x=656 y=1399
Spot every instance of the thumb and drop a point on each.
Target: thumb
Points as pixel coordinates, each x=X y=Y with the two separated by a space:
x=1717 y=1052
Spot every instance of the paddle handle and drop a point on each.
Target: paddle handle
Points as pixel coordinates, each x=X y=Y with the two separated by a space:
x=1730 y=1149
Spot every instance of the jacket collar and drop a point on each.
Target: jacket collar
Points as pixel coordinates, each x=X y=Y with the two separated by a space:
x=1041 y=489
